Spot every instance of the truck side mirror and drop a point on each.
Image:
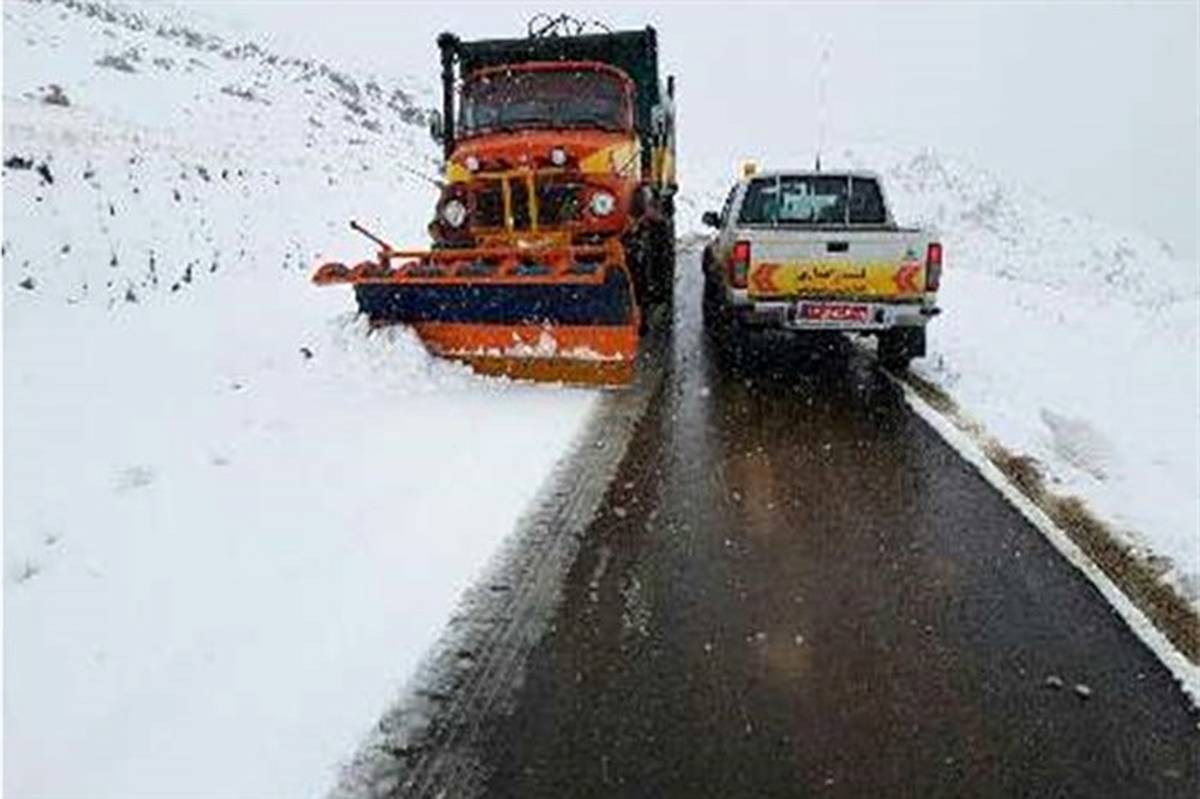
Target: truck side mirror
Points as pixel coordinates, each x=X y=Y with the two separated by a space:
x=437 y=128
x=711 y=218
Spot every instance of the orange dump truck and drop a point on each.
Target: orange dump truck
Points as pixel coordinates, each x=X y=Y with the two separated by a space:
x=553 y=236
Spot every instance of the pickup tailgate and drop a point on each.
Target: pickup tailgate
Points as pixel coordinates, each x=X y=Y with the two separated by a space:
x=885 y=264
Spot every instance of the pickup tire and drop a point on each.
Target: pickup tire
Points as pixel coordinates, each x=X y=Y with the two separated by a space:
x=897 y=347
x=716 y=318
x=722 y=327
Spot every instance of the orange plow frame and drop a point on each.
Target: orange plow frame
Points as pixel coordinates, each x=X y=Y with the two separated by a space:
x=549 y=344
x=580 y=355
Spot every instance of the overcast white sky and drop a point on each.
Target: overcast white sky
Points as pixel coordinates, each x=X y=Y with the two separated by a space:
x=1093 y=105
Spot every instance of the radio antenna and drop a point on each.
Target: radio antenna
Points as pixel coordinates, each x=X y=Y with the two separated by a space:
x=822 y=105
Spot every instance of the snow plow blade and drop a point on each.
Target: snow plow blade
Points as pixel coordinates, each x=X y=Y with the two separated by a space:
x=553 y=313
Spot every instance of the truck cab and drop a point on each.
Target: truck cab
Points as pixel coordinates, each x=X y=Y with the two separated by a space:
x=808 y=251
x=560 y=140
x=553 y=233
x=542 y=149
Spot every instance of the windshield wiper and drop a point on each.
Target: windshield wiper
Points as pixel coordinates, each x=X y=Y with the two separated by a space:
x=510 y=125
x=591 y=122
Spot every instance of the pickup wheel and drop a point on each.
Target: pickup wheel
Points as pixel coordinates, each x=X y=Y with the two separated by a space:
x=898 y=347
x=720 y=324
x=714 y=314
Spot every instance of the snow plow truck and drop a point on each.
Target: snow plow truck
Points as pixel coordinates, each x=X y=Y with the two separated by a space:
x=553 y=235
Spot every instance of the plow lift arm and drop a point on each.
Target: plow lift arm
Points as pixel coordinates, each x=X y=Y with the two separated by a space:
x=383 y=245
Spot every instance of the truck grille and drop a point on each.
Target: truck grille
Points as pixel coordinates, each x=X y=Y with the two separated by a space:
x=487 y=210
x=520 y=204
x=559 y=202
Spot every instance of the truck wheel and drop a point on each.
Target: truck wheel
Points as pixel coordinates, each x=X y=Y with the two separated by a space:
x=899 y=346
x=666 y=266
x=656 y=260
x=644 y=253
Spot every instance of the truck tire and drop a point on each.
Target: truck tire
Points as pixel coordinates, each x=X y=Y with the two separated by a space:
x=645 y=258
x=638 y=261
x=897 y=347
x=666 y=266
x=657 y=252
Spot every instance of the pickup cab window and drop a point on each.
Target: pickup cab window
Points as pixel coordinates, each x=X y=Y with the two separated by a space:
x=866 y=202
x=813 y=200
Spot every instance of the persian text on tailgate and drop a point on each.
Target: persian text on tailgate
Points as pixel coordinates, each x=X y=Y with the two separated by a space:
x=864 y=279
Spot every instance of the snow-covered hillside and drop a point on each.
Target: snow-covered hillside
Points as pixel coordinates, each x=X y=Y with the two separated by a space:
x=233 y=521
x=1069 y=340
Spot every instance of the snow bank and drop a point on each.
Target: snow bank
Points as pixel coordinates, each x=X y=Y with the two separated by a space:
x=234 y=519
x=1072 y=341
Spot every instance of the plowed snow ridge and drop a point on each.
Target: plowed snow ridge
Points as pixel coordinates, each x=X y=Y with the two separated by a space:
x=234 y=521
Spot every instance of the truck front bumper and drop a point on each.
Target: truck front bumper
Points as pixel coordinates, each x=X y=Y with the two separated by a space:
x=831 y=314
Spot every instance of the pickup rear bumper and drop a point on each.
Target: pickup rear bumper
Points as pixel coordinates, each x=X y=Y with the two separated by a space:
x=831 y=314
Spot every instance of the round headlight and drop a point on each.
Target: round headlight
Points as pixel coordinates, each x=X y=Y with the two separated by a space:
x=472 y=163
x=454 y=213
x=603 y=203
x=558 y=156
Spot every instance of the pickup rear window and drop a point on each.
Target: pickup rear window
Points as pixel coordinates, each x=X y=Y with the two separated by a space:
x=813 y=200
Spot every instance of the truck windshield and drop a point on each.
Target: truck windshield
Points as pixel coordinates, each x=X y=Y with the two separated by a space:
x=544 y=98
x=813 y=200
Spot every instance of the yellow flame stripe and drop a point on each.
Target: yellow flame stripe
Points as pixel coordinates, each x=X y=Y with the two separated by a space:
x=623 y=158
x=457 y=173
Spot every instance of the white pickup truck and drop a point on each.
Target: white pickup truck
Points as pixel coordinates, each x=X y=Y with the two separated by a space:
x=819 y=251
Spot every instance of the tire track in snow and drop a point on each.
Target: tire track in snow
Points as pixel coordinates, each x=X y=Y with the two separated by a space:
x=423 y=746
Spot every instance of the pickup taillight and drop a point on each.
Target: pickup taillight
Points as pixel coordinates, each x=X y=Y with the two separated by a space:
x=933 y=266
x=739 y=265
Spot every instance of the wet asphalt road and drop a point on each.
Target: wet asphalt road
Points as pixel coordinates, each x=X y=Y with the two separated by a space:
x=796 y=588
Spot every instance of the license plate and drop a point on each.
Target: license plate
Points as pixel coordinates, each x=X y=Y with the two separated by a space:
x=834 y=312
